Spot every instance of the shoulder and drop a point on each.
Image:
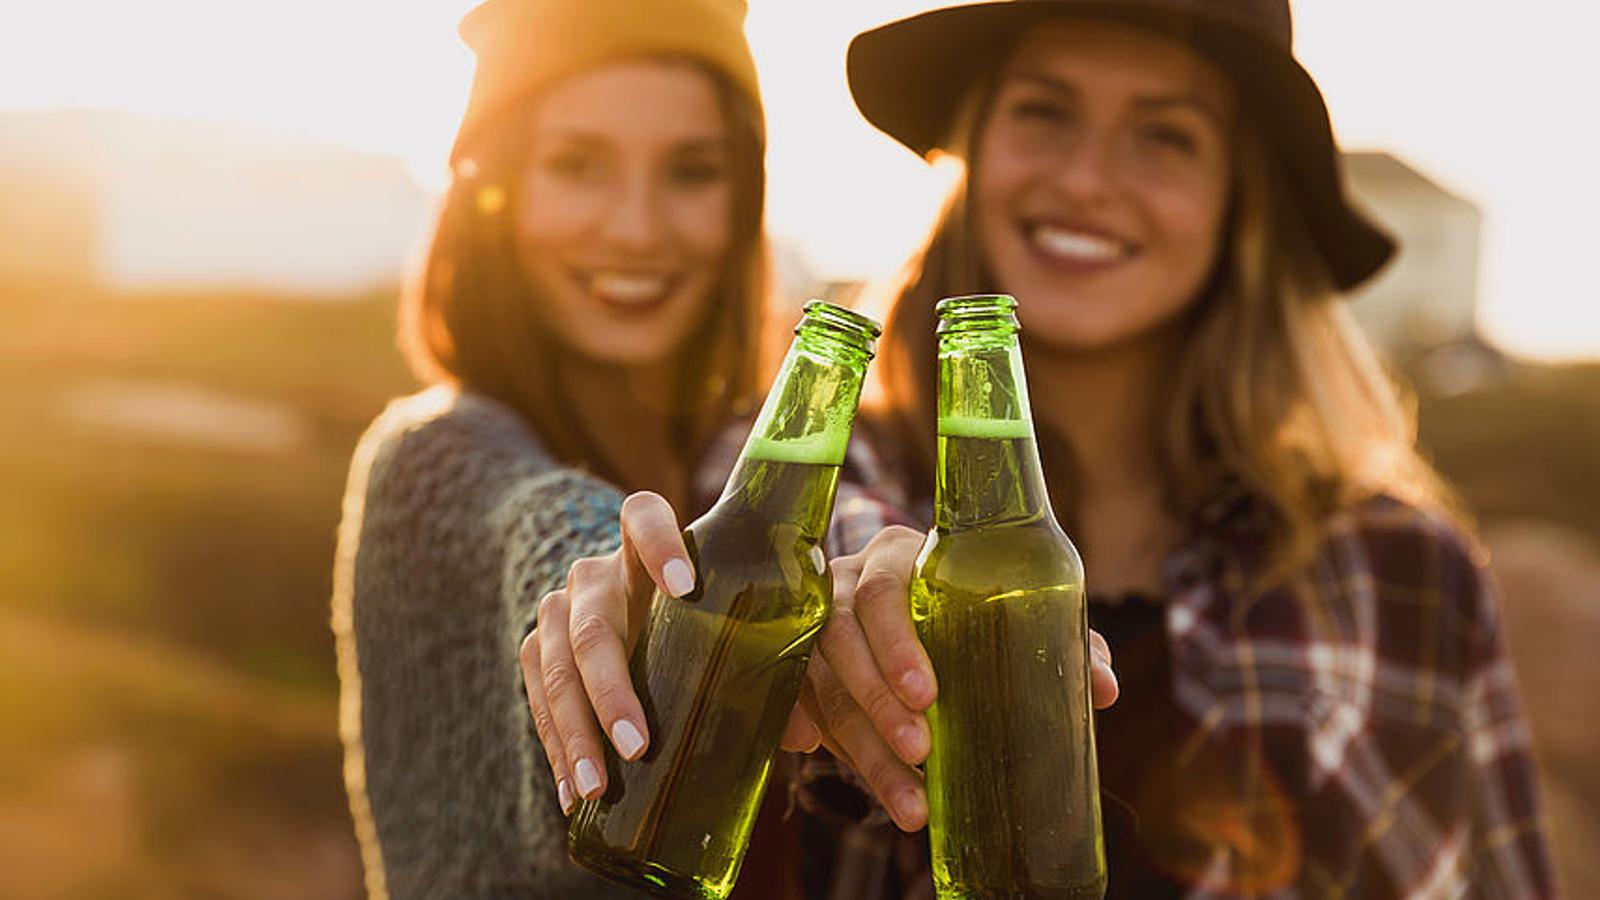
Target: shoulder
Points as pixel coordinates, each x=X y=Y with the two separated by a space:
x=1414 y=579
x=444 y=422
x=1403 y=548
x=442 y=457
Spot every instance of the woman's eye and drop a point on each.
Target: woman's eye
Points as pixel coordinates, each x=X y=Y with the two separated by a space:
x=696 y=172
x=1039 y=111
x=573 y=166
x=1172 y=136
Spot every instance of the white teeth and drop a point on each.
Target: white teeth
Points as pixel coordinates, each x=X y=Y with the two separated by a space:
x=1077 y=245
x=628 y=288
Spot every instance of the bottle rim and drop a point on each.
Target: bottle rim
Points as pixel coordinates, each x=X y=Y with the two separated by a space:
x=978 y=313
x=966 y=303
x=832 y=314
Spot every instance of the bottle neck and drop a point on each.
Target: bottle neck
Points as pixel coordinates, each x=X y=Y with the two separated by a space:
x=988 y=469
x=789 y=469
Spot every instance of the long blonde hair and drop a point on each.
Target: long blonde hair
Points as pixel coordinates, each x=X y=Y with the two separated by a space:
x=1276 y=390
x=471 y=318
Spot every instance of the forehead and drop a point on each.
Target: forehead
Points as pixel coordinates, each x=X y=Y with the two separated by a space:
x=1098 y=55
x=655 y=100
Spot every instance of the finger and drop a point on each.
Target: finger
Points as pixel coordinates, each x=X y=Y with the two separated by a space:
x=813 y=710
x=653 y=545
x=896 y=784
x=543 y=725
x=597 y=626
x=564 y=696
x=851 y=659
x=882 y=605
x=1102 y=680
x=800 y=734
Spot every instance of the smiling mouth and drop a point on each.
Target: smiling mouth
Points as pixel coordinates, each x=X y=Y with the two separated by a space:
x=628 y=291
x=1079 y=249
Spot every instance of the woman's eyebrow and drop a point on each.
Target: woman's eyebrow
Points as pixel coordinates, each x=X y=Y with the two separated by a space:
x=1148 y=101
x=1190 y=101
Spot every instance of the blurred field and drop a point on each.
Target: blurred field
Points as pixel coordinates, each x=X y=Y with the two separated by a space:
x=171 y=467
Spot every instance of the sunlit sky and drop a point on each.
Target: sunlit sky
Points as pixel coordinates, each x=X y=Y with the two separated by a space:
x=1494 y=101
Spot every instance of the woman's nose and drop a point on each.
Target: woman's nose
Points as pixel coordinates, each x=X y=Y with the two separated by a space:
x=632 y=219
x=1085 y=169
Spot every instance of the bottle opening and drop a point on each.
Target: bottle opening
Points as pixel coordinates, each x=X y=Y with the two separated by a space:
x=837 y=318
x=978 y=312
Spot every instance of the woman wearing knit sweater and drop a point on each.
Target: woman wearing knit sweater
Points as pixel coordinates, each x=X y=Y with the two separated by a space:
x=586 y=318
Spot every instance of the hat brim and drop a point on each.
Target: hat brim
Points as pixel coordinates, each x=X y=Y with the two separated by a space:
x=907 y=77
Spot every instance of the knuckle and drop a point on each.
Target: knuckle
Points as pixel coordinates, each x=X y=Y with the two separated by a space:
x=609 y=695
x=550 y=605
x=882 y=707
x=900 y=534
x=589 y=634
x=834 y=632
x=560 y=677
x=881 y=772
x=641 y=503
x=836 y=702
x=544 y=726
x=528 y=652
x=879 y=586
x=583 y=571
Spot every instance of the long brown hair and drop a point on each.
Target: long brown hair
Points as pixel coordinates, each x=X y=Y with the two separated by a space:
x=471 y=318
x=1275 y=392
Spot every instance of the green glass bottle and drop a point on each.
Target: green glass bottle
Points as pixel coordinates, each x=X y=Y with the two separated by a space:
x=719 y=669
x=997 y=598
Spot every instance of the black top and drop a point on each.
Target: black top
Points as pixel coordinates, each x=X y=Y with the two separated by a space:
x=1134 y=742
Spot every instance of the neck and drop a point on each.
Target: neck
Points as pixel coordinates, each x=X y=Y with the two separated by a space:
x=625 y=412
x=1107 y=406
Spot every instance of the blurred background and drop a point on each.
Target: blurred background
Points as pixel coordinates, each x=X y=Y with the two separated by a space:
x=206 y=207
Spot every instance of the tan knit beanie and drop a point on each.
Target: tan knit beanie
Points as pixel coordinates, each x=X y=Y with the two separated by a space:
x=523 y=45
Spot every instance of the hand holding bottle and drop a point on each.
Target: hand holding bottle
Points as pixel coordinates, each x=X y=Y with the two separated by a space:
x=870 y=682
x=575 y=661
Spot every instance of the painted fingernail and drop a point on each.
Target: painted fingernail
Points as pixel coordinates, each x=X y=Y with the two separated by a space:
x=627 y=738
x=564 y=794
x=588 y=778
x=679 y=577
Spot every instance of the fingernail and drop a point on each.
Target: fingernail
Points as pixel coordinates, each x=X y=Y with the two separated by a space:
x=1108 y=673
x=564 y=794
x=588 y=778
x=627 y=738
x=914 y=684
x=679 y=577
x=909 y=739
x=911 y=805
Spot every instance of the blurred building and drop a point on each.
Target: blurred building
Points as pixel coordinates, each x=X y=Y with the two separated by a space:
x=129 y=202
x=1428 y=296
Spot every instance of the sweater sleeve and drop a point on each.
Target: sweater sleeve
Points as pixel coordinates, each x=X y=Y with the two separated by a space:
x=455 y=523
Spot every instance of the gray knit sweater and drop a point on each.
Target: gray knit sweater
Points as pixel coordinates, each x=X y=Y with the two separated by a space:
x=456 y=522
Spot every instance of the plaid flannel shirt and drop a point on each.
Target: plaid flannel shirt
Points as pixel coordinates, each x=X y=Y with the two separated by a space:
x=1356 y=732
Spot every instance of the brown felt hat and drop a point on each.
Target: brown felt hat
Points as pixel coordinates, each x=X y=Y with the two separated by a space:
x=907 y=77
x=523 y=45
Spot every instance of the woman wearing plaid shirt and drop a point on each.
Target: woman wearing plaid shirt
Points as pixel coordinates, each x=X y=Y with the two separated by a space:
x=1316 y=700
